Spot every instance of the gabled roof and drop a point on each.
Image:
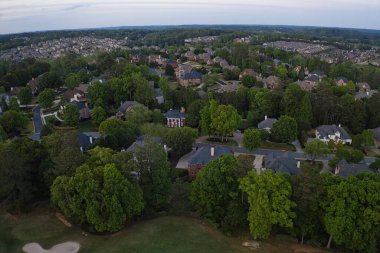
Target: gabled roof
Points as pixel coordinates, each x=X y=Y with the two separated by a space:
x=140 y=142
x=127 y=104
x=153 y=71
x=267 y=123
x=282 y=164
x=341 y=78
x=192 y=75
x=346 y=169
x=363 y=94
x=175 y=114
x=326 y=130
x=87 y=139
x=83 y=87
x=203 y=154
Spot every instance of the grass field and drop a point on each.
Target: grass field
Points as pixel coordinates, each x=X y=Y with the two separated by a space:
x=166 y=234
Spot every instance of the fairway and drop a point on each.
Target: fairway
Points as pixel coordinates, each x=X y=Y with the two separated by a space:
x=165 y=234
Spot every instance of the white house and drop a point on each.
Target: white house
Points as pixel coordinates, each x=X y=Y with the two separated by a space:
x=335 y=133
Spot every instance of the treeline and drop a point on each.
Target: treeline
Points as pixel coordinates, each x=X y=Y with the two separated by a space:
x=317 y=208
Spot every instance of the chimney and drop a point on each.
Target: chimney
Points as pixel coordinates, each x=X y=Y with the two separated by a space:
x=212 y=151
x=367 y=93
x=91 y=140
x=298 y=164
x=266 y=117
x=340 y=125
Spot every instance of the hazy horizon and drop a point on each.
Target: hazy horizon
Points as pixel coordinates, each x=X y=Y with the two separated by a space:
x=18 y=16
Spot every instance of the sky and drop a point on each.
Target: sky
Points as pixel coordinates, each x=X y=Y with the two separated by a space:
x=37 y=15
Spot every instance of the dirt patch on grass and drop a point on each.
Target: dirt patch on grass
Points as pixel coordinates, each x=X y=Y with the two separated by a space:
x=67 y=247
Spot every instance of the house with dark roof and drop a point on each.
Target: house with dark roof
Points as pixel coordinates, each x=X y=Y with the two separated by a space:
x=182 y=70
x=363 y=86
x=327 y=133
x=364 y=94
x=175 y=118
x=203 y=155
x=126 y=107
x=341 y=81
x=190 y=79
x=87 y=140
x=345 y=169
x=377 y=137
x=140 y=143
x=155 y=72
x=267 y=123
x=283 y=163
x=33 y=85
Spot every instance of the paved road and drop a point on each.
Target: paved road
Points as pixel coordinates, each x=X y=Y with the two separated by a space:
x=37 y=122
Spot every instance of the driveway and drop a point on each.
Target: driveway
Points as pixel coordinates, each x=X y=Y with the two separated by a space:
x=37 y=122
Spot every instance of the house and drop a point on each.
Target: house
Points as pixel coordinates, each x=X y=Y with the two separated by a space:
x=345 y=169
x=75 y=95
x=307 y=85
x=365 y=94
x=267 y=123
x=191 y=79
x=182 y=70
x=377 y=137
x=190 y=55
x=175 y=118
x=83 y=87
x=203 y=155
x=84 y=110
x=363 y=87
x=272 y=82
x=341 y=81
x=316 y=75
x=326 y=133
x=229 y=87
x=171 y=63
x=140 y=142
x=204 y=57
x=155 y=72
x=33 y=85
x=283 y=163
x=250 y=72
x=87 y=140
x=126 y=107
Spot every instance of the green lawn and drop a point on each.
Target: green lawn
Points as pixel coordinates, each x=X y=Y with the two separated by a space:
x=165 y=234
x=277 y=146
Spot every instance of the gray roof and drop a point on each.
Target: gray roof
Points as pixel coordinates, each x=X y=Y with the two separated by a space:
x=326 y=130
x=347 y=169
x=87 y=139
x=267 y=123
x=363 y=94
x=123 y=108
x=377 y=133
x=192 y=75
x=203 y=154
x=281 y=163
x=341 y=78
x=140 y=142
x=156 y=72
x=175 y=114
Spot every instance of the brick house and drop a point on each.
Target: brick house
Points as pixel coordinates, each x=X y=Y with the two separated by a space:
x=175 y=118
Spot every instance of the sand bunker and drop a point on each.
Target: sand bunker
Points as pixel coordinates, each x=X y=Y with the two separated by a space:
x=67 y=247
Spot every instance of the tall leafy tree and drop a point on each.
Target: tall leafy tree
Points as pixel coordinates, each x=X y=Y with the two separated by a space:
x=13 y=121
x=25 y=96
x=215 y=193
x=284 y=130
x=269 y=202
x=99 y=196
x=180 y=140
x=225 y=120
x=315 y=149
x=252 y=138
x=352 y=213
x=117 y=134
x=46 y=98
x=153 y=169
x=71 y=115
